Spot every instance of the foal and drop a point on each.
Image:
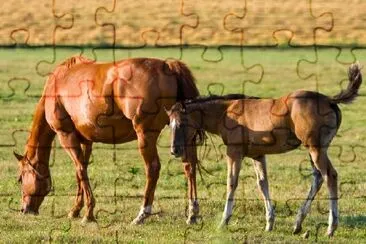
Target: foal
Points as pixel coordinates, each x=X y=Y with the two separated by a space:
x=252 y=127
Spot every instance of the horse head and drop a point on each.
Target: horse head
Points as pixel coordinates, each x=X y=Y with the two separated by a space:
x=185 y=131
x=35 y=183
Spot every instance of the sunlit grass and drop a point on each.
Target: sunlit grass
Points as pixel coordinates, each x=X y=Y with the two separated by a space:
x=118 y=185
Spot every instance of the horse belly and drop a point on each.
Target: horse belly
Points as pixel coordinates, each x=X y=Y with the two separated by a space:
x=271 y=142
x=107 y=129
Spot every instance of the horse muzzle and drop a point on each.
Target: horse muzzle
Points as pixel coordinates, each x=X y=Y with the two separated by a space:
x=31 y=204
x=26 y=210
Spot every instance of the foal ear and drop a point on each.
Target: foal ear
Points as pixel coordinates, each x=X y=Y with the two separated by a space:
x=18 y=156
x=180 y=106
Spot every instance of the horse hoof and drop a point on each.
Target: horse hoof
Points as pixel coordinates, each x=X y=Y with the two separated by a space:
x=306 y=234
x=191 y=220
x=87 y=220
x=330 y=231
x=223 y=224
x=73 y=215
x=269 y=227
x=297 y=229
x=139 y=220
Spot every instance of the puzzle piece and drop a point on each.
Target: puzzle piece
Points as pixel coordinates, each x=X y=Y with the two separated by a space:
x=263 y=21
x=197 y=33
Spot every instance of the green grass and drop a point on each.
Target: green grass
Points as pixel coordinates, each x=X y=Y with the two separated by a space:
x=118 y=185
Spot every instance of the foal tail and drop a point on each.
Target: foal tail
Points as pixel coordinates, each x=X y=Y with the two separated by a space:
x=186 y=87
x=355 y=80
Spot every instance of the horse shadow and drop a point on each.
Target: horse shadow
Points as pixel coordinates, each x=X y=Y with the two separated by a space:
x=354 y=221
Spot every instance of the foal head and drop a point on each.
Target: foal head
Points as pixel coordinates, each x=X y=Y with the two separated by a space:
x=185 y=131
x=36 y=184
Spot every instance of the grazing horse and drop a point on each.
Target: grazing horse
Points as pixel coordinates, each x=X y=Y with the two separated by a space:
x=85 y=102
x=253 y=127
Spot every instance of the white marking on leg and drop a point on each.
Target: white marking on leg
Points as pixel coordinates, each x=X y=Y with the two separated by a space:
x=333 y=213
x=228 y=211
x=234 y=165
x=262 y=182
x=142 y=215
x=173 y=124
x=145 y=210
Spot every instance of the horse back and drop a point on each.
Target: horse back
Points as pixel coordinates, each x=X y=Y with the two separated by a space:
x=143 y=87
x=259 y=126
x=93 y=97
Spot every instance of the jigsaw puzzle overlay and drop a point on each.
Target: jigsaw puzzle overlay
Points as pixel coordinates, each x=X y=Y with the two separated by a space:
x=258 y=48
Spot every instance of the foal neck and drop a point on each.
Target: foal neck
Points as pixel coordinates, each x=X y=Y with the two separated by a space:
x=208 y=114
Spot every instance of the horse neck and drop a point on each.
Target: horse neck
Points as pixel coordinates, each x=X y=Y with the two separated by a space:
x=39 y=143
x=210 y=115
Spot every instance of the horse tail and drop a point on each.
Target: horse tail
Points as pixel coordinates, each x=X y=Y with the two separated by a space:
x=186 y=87
x=355 y=80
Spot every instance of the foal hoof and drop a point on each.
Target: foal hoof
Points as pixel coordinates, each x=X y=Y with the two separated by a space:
x=223 y=224
x=297 y=229
x=330 y=231
x=269 y=226
x=191 y=220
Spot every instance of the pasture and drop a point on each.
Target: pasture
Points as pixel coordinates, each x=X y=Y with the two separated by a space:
x=117 y=172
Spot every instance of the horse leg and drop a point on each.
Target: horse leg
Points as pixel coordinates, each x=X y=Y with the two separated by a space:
x=323 y=164
x=72 y=146
x=79 y=200
x=233 y=170
x=148 y=150
x=190 y=173
x=315 y=187
x=262 y=182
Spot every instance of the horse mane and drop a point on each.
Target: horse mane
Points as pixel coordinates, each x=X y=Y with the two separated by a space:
x=61 y=69
x=213 y=98
x=77 y=59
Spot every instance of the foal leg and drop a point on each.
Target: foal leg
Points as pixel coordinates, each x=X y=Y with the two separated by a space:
x=190 y=173
x=79 y=200
x=262 y=182
x=315 y=187
x=233 y=170
x=148 y=150
x=323 y=164
x=72 y=146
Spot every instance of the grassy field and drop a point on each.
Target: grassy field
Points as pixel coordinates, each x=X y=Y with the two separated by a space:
x=117 y=174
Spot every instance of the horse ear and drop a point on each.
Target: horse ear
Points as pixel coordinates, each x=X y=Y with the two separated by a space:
x=18 y=156
x=167 y=111
x=183 y=107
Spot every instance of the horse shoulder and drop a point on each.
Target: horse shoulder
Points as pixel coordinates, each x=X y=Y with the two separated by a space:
x=125 y=89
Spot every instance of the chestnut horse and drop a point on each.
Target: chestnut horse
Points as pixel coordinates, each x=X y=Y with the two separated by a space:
x=85 y=102
x=254 y=127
